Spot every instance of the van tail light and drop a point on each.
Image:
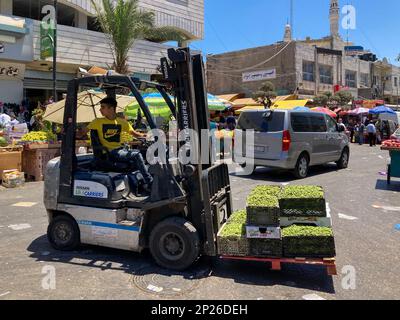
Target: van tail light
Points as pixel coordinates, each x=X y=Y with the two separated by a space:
x=286 y=140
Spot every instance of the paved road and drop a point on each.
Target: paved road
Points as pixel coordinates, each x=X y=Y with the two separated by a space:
x=366 y=240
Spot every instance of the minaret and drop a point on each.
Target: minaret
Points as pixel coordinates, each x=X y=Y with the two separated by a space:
x=288 y=33
x=334 y=18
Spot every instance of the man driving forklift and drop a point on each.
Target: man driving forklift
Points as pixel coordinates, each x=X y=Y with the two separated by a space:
x=110 y=130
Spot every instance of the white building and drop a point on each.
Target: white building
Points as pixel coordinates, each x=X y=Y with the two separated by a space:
x=24 y=75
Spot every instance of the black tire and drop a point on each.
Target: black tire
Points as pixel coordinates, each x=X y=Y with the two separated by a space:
x=63 y=233
x=343 y=162
x=174 y=244
x=302 y=166
x=244 y=165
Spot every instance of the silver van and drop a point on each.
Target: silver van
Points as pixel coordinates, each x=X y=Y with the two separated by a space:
x=294 y=140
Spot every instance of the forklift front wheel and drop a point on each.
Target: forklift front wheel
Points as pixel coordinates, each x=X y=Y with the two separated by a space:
x=63 y=233
x=175 y=244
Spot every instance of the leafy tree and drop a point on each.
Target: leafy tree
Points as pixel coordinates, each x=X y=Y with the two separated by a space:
x=124 y=22
x=321 y=100
x=343 y=97
x=265 y=94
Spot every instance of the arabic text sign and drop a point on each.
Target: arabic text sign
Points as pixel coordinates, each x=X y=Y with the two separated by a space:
x=259 y=75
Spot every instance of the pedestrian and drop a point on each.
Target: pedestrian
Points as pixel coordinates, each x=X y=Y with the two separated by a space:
x=361 y=128
x=371 y=129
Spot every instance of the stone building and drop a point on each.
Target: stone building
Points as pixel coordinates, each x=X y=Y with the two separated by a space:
x=306 y=67
x=80 y=43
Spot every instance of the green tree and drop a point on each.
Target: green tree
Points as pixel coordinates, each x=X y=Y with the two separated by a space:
x=124 y=22
x=321 y=100
x=342 y=97
x=265 y=94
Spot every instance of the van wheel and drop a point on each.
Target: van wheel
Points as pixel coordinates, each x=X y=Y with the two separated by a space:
x=343 y=162
x=175 y=244
x=301 y=169
x=253 y=171
x=63 y=233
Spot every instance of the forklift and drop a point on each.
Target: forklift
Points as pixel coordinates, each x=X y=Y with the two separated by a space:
x=92 y=200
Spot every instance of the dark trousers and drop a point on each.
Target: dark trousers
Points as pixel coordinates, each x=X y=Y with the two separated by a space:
x=133 y=157
x=372 y=139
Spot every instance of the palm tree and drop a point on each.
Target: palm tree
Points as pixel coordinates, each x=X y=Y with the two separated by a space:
x=124 y=22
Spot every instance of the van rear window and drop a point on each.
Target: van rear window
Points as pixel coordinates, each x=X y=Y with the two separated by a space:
x=256 y=121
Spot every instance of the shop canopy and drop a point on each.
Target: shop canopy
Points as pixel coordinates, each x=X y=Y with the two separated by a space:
x=382 y=109
x=88 y=107
x=289 y=104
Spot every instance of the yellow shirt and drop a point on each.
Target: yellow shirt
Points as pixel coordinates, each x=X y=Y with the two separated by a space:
x=110 y=131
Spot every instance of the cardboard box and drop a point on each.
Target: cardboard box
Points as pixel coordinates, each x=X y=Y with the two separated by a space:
x=254 y=232
x=12 y=178
x=10 y=160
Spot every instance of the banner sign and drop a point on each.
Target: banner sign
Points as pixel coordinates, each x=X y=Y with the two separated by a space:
x=259 y=75
x=46 y=40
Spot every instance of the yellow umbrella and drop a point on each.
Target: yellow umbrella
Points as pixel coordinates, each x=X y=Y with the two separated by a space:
x=88 y=107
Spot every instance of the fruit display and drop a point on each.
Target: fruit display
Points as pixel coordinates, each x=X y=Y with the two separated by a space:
x=302 y=201
x=306 y=241
x=266 y=247
x=3 y=142
x=263 y=206
x=391 y=144
x=39 y=136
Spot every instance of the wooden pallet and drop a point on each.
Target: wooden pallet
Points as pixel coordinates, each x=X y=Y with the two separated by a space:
x=330 y=263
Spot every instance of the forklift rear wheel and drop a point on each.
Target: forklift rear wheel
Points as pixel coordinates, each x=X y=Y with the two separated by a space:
x=63 y=233
x=175 y=244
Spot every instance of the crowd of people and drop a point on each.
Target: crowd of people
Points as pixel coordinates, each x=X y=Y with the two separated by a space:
x=12 y=114
x=368 y=131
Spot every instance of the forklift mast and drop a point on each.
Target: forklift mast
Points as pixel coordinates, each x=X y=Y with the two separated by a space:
x=208 y=208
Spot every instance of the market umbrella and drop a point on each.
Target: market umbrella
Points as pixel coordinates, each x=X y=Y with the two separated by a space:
x=381 y=109
x=325 y=110
x=88 y=105
x=302 y=109
x=358 y=111
x=158 y=106
x=217 y=104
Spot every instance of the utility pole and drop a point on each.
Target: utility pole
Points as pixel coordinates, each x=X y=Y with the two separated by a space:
x=55 y=54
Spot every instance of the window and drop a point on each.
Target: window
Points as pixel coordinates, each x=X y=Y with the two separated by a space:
x=325 y=74
x=308 y=71
x=351 y=79
x=300 y=122
x=396 y=80
x=32 y=9
x=256 y=121
x=332 y=125
x=318 y=123
x=364 y=79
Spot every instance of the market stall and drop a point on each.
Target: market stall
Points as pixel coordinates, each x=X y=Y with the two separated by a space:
x=393 y=170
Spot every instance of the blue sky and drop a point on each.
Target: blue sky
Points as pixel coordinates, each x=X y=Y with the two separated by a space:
x=238 y=24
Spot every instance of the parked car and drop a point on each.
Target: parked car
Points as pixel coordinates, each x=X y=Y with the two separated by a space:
x=293 y=140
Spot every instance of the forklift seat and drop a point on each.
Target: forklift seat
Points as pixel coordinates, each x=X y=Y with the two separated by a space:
x=102 y=160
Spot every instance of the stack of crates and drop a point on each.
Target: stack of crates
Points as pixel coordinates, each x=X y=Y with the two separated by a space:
x=263 y=222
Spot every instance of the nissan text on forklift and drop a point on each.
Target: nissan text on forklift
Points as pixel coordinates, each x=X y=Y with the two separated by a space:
x=93 y=199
